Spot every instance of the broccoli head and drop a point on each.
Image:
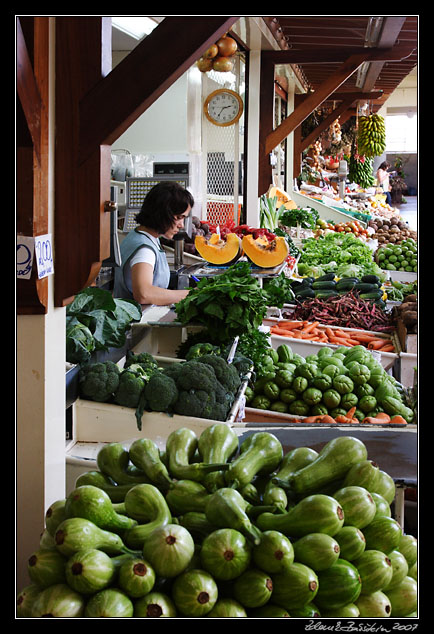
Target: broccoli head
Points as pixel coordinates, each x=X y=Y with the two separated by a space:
x=196 y=403
x=200 y=393
x=225 y=372
x=145 y=359
x=160 y=392
x=132 y=381
x=198 y=349
x=98 y=381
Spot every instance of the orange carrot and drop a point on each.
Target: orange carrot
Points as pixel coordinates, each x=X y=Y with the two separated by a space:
x=375 y=344
x=383 y=416
x=374 y=421
x=388 y=347
x=362 y=337
x=312 y=419
x=398 y=420
x=280 y=331
x=311 y=326
x=351 y=412
x=290 y=324
x=329 y=420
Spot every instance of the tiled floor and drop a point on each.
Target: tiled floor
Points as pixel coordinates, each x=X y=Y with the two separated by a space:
x=408 y=211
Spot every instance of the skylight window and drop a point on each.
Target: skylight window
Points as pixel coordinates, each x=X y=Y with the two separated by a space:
x=136 y=26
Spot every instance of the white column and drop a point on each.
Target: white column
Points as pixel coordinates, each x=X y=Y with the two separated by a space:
x=252 y=209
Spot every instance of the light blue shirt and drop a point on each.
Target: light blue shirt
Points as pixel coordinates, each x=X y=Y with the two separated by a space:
x=131 y=243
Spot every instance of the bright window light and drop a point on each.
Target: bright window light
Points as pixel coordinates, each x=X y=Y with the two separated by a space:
x=401 y=133
x=136 y=26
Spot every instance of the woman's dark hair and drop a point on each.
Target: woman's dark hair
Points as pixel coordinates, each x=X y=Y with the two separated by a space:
x=384 y=166
x=162 y=204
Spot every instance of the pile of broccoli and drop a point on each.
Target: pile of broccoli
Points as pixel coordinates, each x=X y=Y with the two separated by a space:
x=202 y=387
x=105 y=381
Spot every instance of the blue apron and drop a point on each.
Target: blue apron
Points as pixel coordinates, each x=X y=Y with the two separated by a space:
x=131 y=243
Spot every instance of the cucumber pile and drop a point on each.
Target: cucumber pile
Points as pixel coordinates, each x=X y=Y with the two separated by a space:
x=218 y=525
x=325 y=286
x=330 y=382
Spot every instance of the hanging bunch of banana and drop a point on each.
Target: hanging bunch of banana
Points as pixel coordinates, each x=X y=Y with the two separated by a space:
x=371 y=136
x=360 y=171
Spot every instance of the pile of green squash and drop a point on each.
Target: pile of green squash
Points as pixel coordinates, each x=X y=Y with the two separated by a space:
x=332 y=381
x=222 y=526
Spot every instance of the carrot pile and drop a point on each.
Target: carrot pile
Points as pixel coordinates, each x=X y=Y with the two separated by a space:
x=379 y=419
x=315 y=332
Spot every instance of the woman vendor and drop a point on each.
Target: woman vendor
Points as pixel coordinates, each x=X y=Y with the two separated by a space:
x=144 y=274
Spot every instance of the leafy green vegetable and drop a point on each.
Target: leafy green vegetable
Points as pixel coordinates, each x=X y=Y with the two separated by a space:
x=342 y=248
x=227 y=304
x=107 y=318
x=79 y=341
x=304 y=217
x=278 y=290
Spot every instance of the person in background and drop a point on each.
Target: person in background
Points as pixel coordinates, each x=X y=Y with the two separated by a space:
x=383 y=180
x=144 y=274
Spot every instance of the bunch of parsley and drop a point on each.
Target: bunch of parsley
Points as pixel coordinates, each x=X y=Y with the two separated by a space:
x=227 y=304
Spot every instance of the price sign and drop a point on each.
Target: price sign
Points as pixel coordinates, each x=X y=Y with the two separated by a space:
x=25 y=250
x=44 y=255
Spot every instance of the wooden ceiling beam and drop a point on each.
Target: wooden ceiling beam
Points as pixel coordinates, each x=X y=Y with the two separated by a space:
x=324 y=55
x=313 y=136
x=313 y=100
x=144 y=75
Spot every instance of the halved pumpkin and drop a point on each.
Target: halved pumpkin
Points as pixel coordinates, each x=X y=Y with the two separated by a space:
x=217 y=250
x=283 y=198
x=265 y=253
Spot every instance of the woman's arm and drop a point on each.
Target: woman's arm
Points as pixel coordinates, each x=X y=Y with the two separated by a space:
x=145 y=293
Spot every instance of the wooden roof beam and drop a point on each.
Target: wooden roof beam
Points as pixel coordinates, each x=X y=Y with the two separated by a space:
x=144 y=75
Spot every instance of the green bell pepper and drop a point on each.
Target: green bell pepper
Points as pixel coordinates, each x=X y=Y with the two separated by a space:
x=284 y=378
x=299 y=384
x=297 y=359
x=349 y=400
x=319 y=409
x=284 y=353
x=343 y=384
x=307 y=370
x=367 y=403
x=331 y=398
x=359 y=373
x=323 y=381
x=249 y=394
x=338 y=411
x=261 y=402
x=324 y=352
x=311 y=396
x=273 y=354
x=279 y=406
x=288 y=395
x=364 y=390
x=378 y=374
x=282 y=365
x=331 y=370
x=332 y=360
x=299 y=408
x=271 y=390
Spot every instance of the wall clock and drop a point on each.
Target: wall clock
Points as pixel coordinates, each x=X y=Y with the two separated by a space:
x=223 y=107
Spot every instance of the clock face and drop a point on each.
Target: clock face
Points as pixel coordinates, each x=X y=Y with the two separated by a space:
x=223 y=107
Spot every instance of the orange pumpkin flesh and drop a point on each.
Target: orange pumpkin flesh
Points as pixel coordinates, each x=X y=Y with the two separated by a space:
x=263 y=253
x=218 y=251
